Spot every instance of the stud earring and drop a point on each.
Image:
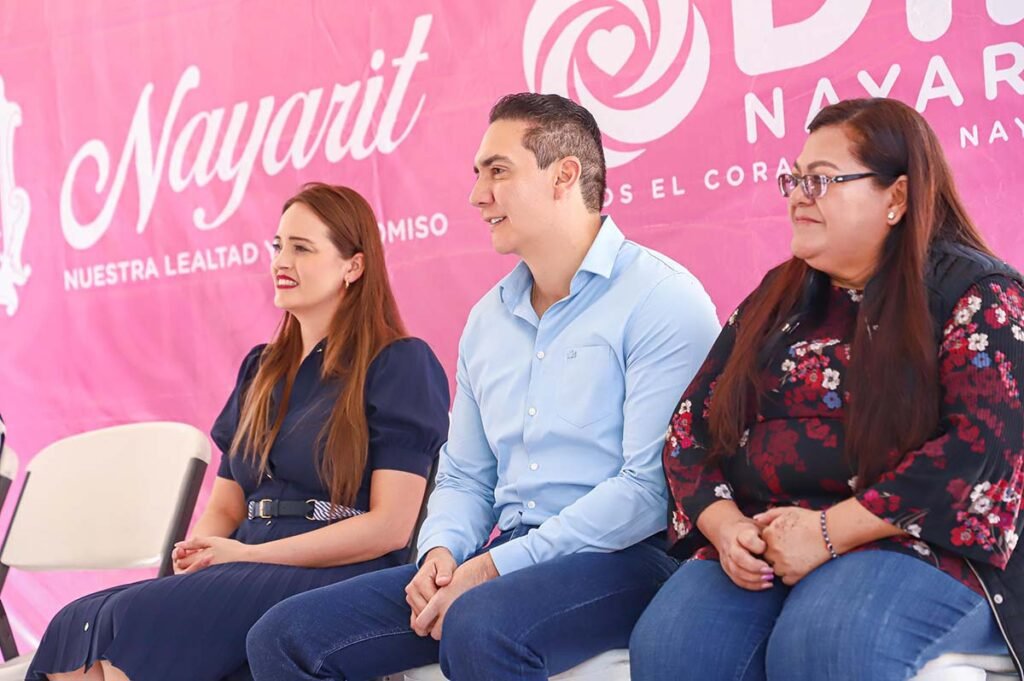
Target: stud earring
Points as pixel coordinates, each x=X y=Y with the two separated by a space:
x=891 y=215
x=347 y=284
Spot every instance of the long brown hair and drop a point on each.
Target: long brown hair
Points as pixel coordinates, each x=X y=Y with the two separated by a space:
x=365 y=321
x=893 y=375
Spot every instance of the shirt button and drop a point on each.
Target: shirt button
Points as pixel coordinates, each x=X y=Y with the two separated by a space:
x=86 y=627
x=529 y=504
x=532 y=411
x=540 y=355
x=534 y=466
x=998 y=598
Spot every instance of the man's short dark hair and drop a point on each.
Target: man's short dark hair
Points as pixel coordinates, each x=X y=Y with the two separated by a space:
x=559 y=127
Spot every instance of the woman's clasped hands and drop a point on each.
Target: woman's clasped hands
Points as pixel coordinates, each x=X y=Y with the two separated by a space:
x=794 y=542
x=782 y=542
x=196 y=553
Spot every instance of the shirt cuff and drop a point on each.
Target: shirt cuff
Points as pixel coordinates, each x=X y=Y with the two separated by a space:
x=511 y=556
x=448 y=540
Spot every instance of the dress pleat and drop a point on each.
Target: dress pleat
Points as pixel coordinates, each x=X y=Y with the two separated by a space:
x=183 y=627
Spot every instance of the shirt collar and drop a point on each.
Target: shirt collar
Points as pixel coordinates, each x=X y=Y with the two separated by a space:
x=599 y=260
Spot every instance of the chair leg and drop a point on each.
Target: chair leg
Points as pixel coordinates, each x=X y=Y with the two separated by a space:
x=8 y=647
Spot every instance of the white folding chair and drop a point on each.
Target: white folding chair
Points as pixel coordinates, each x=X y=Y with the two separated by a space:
x=962 y=667
x=8 y=471
x=112 y=498
x=614 y=666
x=610 y=666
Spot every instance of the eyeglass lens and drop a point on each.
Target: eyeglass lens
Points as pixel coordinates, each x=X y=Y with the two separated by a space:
x=811 y=184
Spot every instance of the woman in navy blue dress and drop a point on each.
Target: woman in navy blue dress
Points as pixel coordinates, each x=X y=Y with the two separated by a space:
x=328 y=438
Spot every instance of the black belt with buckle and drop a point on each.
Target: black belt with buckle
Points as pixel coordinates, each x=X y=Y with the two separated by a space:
x=263 y=509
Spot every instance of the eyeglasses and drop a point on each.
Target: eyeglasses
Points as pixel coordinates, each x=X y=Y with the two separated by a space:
x=814 y=186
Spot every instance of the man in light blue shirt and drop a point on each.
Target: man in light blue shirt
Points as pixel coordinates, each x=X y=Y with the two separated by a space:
x=559 y=420
x=567 y=375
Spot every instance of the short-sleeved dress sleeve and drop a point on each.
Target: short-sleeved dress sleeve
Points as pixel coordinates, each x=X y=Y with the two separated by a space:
x=407 y=403
x=962 y=490
x=223 y=430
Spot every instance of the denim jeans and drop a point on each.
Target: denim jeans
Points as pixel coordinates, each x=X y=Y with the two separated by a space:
x=869 y=615
x=526 y=625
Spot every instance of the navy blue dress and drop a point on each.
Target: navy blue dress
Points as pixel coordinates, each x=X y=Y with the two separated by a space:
x=193 y=627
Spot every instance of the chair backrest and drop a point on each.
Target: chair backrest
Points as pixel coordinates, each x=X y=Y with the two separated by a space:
x=8 y=464
x=8 y=471
x=112 y=498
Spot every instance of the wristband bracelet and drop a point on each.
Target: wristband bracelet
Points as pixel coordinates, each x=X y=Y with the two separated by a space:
x=828 y=540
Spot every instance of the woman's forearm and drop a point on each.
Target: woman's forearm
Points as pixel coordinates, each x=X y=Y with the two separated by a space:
x=363 y=537
x=224 y=512
x=716 y=517
x=850 y=525
x=215 y=523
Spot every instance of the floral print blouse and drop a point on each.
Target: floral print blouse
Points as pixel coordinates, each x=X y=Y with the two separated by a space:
x=957 y=496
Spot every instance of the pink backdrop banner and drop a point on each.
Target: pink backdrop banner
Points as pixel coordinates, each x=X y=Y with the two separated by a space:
x=146 y=149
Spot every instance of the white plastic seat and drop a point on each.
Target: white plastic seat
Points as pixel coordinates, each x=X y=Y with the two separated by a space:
x=614 y=666
x=962 y=667
x=112 y=498
x=16 y=668
x=610 y=666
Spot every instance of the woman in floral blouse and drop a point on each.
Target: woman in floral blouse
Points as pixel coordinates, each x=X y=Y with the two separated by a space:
x=846 y=468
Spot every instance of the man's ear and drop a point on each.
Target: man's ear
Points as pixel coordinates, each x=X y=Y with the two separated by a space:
x=567 y=175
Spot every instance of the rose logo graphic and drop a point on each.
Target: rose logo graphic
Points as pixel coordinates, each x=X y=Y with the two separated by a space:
x=14 y=210
x=561 y=35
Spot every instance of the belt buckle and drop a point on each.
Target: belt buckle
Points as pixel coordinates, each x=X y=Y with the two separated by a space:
x=312 y=509
x=260 y=511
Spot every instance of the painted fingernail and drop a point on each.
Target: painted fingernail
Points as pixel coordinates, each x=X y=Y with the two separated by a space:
x=767 y=585
x=767 y=578
x=767 y=571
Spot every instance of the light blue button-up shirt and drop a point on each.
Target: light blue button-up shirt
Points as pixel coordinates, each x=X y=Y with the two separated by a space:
x=559 y=421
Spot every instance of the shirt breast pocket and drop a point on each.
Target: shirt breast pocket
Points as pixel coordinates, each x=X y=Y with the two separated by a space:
x=589 y=385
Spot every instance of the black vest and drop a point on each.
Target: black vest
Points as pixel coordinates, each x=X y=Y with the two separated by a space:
x=952 y=269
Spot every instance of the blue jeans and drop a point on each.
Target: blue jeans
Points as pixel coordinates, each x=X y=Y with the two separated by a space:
x=869 y=615
x=526 y=625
